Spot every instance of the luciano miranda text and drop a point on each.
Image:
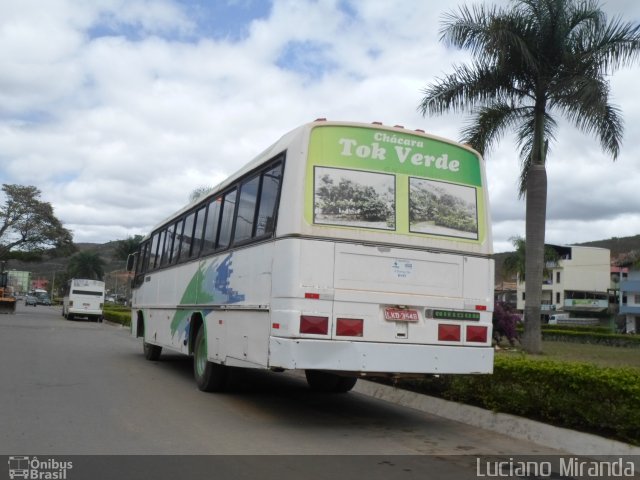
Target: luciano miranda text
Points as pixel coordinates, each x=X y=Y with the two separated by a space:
x=567 y=466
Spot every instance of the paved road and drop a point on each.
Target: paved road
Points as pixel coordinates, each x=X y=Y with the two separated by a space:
x=84 y=388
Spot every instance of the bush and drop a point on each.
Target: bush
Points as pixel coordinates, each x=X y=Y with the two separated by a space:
x=505 y=322
x=578 y=396
x=579 y=328
x=587 y=334
x=123 y=317
x=114 y=307
x=610 y=339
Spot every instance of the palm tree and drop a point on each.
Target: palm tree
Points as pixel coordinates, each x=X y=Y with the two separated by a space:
x=514 y=263
x=86 y=265
x=531 y=60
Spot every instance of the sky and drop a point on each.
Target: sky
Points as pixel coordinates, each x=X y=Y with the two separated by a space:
x=117 y=110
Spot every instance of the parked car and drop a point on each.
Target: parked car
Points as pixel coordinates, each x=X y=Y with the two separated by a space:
x=30 y=300
x=43 y=301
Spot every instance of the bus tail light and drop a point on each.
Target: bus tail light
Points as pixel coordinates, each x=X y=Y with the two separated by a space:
x=476 y=333
x=314 y=325
x=349 y=327
x=448 y=333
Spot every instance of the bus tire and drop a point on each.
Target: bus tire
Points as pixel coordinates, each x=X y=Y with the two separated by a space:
x=329 y=382
x=210 y=377
x=151 y=352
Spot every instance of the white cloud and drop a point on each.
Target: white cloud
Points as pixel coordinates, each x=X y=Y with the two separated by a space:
x=118 y=109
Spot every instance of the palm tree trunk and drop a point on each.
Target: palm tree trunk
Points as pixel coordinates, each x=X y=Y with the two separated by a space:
x=534 y=264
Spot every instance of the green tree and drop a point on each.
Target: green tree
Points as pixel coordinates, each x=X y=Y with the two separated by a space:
x=531 y=60
x=86 y=264
x=127 y=246
x=199 y=192
x=28 y=225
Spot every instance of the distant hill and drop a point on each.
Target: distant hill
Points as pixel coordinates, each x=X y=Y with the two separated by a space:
x=47 y=266
x=617 y=245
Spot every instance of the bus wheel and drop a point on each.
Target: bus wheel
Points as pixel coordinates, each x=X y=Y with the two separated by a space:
x=329 y=382
x=210 y=377
x=151 y=352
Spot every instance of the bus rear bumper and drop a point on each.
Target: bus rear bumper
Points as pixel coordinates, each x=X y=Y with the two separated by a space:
x=84 y=313
x=368 y=357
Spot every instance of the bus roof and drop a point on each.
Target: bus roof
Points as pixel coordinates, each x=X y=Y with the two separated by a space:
x=280 y=145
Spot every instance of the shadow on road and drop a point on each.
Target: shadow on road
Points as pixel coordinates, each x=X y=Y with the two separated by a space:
x=287 y=398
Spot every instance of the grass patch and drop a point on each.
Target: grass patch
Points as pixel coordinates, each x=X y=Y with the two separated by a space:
x=599 y=355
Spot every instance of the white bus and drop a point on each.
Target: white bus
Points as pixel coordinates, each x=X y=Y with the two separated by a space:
x=83 y=298
x=344 y=249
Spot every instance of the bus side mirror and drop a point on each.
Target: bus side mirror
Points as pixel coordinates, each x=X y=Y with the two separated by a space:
x=131 y=262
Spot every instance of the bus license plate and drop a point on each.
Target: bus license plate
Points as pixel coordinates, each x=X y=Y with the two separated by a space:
x=401 y=315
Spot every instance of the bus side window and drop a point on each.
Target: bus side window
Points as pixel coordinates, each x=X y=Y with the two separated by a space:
x=143 y=258
x=226 y=220
x=175 y=250
x=139 y=259
x=271 y=181
x=166 y=243
x=211 y=229
x=246 y=210
x=198 y=232
x=153 y=254
x=187 y=236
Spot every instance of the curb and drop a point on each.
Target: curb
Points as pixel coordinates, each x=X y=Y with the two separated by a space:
x=570 y=441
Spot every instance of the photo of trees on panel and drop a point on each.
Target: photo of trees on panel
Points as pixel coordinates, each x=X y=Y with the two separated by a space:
x=441 y=208
x=354 y=198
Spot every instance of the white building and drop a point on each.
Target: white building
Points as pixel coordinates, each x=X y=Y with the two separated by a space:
x=577 y=283
x=20 y=281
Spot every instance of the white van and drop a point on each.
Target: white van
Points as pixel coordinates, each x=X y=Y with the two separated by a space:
x=557 y=318
x=83 y=298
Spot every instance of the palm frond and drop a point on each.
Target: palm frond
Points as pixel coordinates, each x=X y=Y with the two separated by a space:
x=467 y=87
x=586 y=106
x=488 y=125
x=615 y=45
